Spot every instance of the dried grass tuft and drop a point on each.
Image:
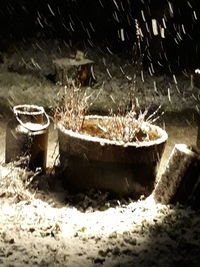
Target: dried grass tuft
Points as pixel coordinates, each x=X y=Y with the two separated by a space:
x=132 y=125
x=73 y=106
x=124 y=126
x=14 y=183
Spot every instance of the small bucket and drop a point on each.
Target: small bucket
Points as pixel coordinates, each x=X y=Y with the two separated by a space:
x=27 y=135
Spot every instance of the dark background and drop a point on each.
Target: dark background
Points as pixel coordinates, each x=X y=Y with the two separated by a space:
x=98 y=22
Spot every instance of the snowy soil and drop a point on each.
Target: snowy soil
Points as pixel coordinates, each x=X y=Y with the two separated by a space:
x=44 y=225
x=50 y=228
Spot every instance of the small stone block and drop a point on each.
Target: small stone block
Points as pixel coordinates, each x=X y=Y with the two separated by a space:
x=76 y=69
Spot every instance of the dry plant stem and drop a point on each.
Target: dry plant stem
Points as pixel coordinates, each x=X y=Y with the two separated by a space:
x=74 y=107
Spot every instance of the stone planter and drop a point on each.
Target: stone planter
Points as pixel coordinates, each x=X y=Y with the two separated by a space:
x=125 y=169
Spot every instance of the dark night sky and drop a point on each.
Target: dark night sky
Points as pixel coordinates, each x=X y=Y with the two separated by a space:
x=96 y=21
x=68 y=17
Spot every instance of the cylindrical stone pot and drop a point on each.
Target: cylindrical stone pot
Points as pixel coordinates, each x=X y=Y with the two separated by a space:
x=124 y=169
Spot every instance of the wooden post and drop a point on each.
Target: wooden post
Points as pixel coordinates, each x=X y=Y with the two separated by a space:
x=198 y=129
x=181 y=177
x=196 y=78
